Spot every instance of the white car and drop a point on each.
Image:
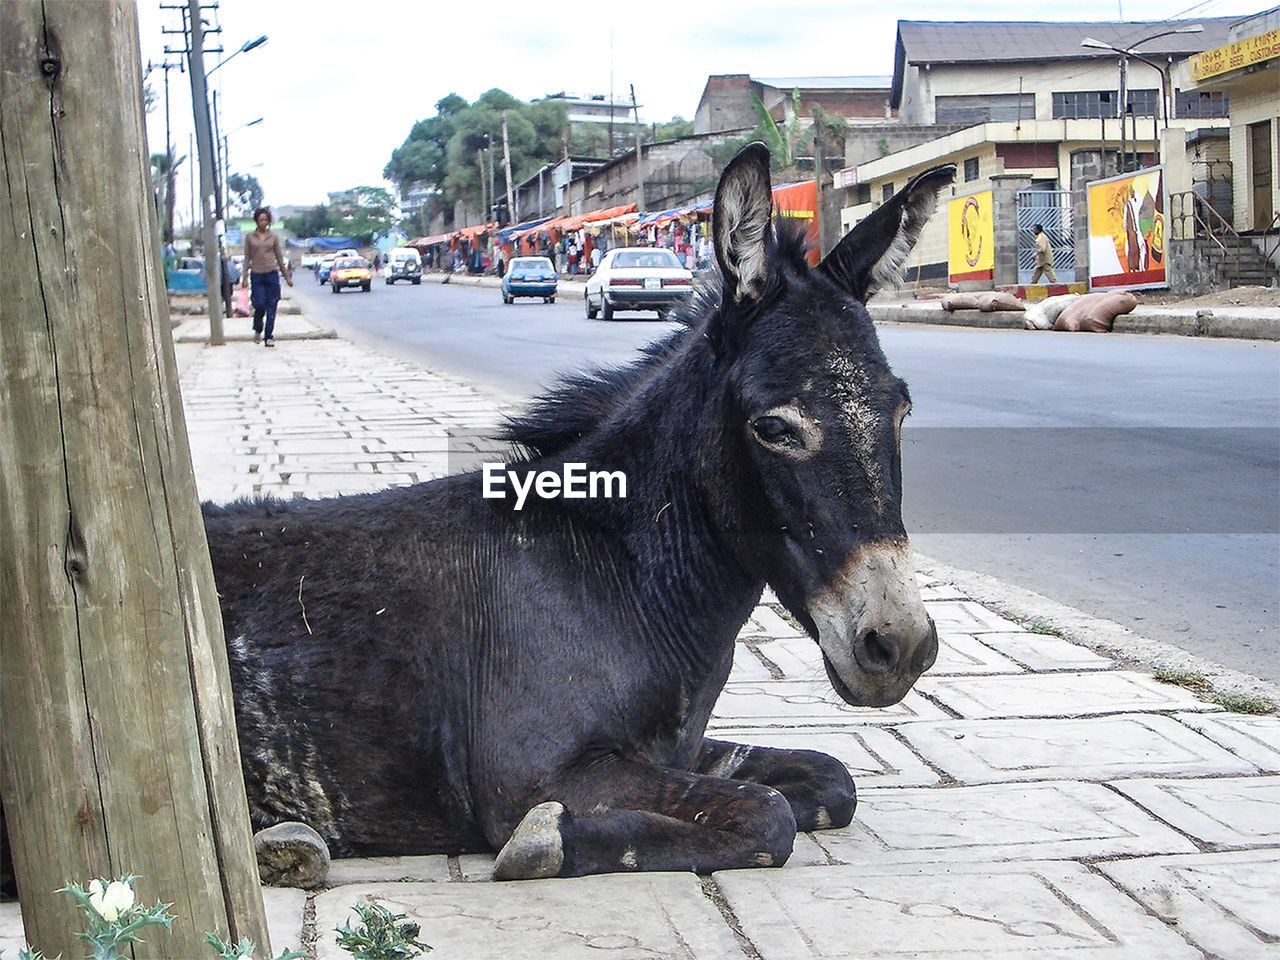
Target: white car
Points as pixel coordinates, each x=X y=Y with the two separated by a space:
x=637 y=278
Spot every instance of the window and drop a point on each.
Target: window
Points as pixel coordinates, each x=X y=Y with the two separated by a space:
x=1198 y=105
x=984 y=108
x=1083 y=104
x=1144 y=103
x=886 y=193
x=862 y=193
x=971 y=169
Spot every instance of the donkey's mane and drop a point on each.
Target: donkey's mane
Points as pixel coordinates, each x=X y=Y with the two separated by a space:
x=579 y=402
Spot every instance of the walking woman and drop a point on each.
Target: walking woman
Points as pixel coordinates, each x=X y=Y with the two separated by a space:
x=263 y=265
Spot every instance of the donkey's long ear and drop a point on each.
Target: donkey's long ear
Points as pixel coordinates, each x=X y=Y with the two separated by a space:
x=741 y=223
x=871 y=255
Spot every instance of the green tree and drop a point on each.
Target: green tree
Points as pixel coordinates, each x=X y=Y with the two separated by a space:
x=316 y=222
x=674 y=129
x=421 y=158
x=366 y=214
x=243 y=192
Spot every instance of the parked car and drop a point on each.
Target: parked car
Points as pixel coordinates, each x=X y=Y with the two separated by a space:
x=403 y=263
x=637 y=278
x=351 y=272
x=529 y=277
x=324 y=267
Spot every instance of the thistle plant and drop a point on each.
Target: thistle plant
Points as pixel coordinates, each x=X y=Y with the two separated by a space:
x=380 y=935
x=114 y=915
x=244 y=949
x=115 y=918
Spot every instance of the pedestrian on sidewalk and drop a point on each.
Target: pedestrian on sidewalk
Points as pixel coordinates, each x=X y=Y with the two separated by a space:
x=264 y=263
x=1044 y=256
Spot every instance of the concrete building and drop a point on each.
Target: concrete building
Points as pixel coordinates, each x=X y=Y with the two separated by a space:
x=726 y=102
x=675 y=172
x=1031 y=114
x=975 y=72
x=543 y=194
x=1247 y=70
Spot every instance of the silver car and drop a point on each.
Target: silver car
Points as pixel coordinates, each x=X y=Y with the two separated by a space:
x=637 y=278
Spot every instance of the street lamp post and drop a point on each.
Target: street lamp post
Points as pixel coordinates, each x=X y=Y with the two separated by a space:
x=220 y=177
x=226 y=156
x=244 y=48
x=1165 y=84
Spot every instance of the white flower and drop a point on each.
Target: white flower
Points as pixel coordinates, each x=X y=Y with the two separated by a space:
x=110 y=900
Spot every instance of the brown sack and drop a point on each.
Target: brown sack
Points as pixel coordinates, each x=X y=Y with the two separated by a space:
x=999 y=300
x=1095 y=312
x=960 y=301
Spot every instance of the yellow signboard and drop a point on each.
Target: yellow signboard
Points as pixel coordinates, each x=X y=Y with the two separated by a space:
x=971 y=238
x=1242 y=53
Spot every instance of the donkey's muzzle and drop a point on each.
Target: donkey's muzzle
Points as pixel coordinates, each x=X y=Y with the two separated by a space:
x=875 y=635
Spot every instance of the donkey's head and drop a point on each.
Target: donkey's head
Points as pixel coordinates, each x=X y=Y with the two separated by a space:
x=820 y=415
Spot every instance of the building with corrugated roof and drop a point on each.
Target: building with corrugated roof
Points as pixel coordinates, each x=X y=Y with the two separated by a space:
x=1031 y=113
x=726 y=102
x=1246 y=68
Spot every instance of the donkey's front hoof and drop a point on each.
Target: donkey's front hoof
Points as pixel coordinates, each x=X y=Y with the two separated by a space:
x=536 y=849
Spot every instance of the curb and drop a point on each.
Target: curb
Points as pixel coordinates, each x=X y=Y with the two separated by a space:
x=1098 y=634
x=1144 y=320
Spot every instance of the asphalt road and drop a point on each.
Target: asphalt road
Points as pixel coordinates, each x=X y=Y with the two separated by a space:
x=1135 y=478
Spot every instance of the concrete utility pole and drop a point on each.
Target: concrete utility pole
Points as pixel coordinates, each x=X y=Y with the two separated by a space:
x=208 y=186
x=639 y=155
x=506 y=165
x=118 y=751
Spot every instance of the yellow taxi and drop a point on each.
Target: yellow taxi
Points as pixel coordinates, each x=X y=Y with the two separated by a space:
x=351 y=272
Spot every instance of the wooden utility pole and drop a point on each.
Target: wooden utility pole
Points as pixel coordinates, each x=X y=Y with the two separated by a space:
x=118 y=750
x=506 y=166
x=639 y=155
x=208 y=179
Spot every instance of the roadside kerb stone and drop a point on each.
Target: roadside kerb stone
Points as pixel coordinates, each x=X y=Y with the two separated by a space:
x=998 y=823
x=1256 y=739
x=961 y=653
x=1094 y=748
x=1224 y=902
x=1224 y=811
x=795 y=703
x=1043 y=652
x=1058 y=695
x=960 y=912
x=620 y=915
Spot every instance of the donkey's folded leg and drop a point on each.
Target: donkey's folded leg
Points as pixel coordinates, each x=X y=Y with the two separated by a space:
x=817 y=786
x=628 y=816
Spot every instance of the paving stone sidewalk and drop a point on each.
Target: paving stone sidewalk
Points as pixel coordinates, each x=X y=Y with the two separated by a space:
x=1030 y=798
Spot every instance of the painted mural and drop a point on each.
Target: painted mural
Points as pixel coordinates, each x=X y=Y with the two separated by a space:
x=971 y=238
x=1128 y=216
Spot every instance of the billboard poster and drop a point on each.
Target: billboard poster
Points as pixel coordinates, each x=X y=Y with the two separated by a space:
x=971 y=238
x=1128 y=215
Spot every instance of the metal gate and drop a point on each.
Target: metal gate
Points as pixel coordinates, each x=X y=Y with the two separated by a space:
x=1051 y=209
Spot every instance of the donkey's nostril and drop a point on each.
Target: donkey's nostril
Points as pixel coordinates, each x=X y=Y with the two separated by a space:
x=879 y=653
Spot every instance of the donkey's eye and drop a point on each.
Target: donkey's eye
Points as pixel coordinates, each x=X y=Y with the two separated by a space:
x=775 y=430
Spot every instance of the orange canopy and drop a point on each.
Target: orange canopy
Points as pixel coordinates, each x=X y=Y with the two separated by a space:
x=796 y=199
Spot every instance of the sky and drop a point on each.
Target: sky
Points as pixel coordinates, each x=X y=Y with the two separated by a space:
x=340 y=83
